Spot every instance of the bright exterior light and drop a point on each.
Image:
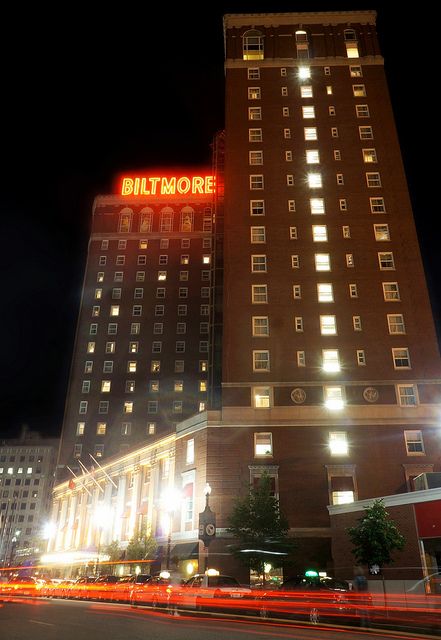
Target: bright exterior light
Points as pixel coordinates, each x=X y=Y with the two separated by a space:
x=338 y=443
x=165 y=575
x=212 y=572
x=304 y=73
x=267 y=567
x=311 y=573
x=49 y=530
x=171 y=499
x=189 y=568
x=137 y=570
x=102 y=516
x=331 y=367
x=207 y=489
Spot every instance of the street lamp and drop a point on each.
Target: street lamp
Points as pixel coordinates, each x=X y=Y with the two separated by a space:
x=170 y=500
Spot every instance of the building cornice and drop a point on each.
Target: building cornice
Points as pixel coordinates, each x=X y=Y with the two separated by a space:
x=301 y=18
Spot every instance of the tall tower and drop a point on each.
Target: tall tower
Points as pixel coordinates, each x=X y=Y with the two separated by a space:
x=331 y=372
x=140 y=362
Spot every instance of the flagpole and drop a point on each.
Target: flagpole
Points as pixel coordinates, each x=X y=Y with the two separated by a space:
x=78 y=478
x=104 y=471
x=91 y=477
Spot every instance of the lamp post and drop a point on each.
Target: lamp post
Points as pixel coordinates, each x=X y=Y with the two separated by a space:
x=101 y=518
x=207 y=524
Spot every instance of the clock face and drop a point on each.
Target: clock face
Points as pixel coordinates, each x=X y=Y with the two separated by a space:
x=210 y=529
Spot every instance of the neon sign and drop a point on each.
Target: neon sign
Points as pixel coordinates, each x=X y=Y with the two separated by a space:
x=159 y=185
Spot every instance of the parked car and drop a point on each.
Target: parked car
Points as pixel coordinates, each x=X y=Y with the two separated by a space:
x=103 y=588
x=159 y=591
x=81 y=588
x=123 y=588
x=23 y=586
x=213 y=592
x=316 y=598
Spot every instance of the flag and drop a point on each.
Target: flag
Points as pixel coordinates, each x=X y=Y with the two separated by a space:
x=71 y=484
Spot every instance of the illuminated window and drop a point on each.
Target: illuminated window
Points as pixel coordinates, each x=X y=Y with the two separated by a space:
x=255 y=135
x=359 y=90
x=259 y=293
x=126 y=428
x=328 y=326
x=353 y=291
x=310 y=133
x=319 y=233
x=315 y=180
x=308 y=112
x=366 y=133
x=381 y=232
x=100 y=276
x=301 y=359
x=255 y=157
x=202 y=385
x=306 y=91
x=258 y=235
x=128 y=406
x=253 y=45
x=304 y=73
x=206 y=259
x=331 y=360
x=154 y=386
x=369 y=155
x=401 y=358
x=155 y=366
x=407 y=395
x=296 y=291
x=98 y=294
x=342 y=497
x=261 y=397
x=95 y=312
x=105 y=386
x=253 y=73
x=114 y=310
x=256 y=182
x=166 y=221
x=317 y=206
x=260 y=325
x=110 y=347
x=263 y=445
x=362 y=111
x=189 y=458
x=322 y=262
x=395 y=322
x=101 y=428
x=325 y=292
x=349 y=260
x=254 y=93
x=258 y=263
x=80 y=429
x=203 y=365
x=356 y=323
x=88 y=366
x=130 y=386
x=414 y=443
x=386 y=260
x=298 y=324
x=338 y=443
x=90 y=347
x=355 y=71
x=333 y=397
x=151 y=428
x=391 y=291
x=351 y=43
x=261 y=361
x=329 y=90
x=302 y=46
x=361 y=358
x=377 y=205
x=254 y=113
x=312 y=156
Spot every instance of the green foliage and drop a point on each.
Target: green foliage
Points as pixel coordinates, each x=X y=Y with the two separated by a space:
x=142 y=546
x=260 y=528
x=375 y=537
x=113 y=550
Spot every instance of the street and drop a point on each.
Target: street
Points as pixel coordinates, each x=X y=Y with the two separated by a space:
x=41 y=619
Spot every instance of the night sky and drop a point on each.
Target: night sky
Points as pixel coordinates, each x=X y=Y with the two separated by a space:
x=88 y=95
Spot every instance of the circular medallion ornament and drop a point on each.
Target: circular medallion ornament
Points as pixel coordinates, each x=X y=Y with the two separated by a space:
x=298 y=396
x=370 y=394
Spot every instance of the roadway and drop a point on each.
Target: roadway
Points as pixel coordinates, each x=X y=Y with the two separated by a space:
x=44 y=619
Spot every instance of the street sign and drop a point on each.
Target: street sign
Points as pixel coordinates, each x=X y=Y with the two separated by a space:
x=207 y=526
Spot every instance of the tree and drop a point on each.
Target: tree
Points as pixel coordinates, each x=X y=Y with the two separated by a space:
x=142 y=546
x=113 y=550
x=260 y=528
x=375 y=537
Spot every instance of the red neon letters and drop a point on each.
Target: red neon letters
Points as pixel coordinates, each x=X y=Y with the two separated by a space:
x=154 y=186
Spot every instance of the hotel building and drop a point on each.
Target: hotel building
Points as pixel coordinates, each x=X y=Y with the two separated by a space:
x=330 y=372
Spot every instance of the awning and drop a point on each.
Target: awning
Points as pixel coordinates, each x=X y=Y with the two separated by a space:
x=186 y=550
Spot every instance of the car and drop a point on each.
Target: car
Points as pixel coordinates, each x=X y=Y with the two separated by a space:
x=81 y=588
x=23 y=586
x=125 y=585
x=213 y=591
x=156 y=591
x=103 y=587
x=316 y=598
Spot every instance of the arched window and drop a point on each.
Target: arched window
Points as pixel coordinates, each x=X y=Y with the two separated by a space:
x=146 y=220
x=302 y=44
x=351 y=43
x=187 y=214
x=166 y=224
x=253 y=45
x=125 y=220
